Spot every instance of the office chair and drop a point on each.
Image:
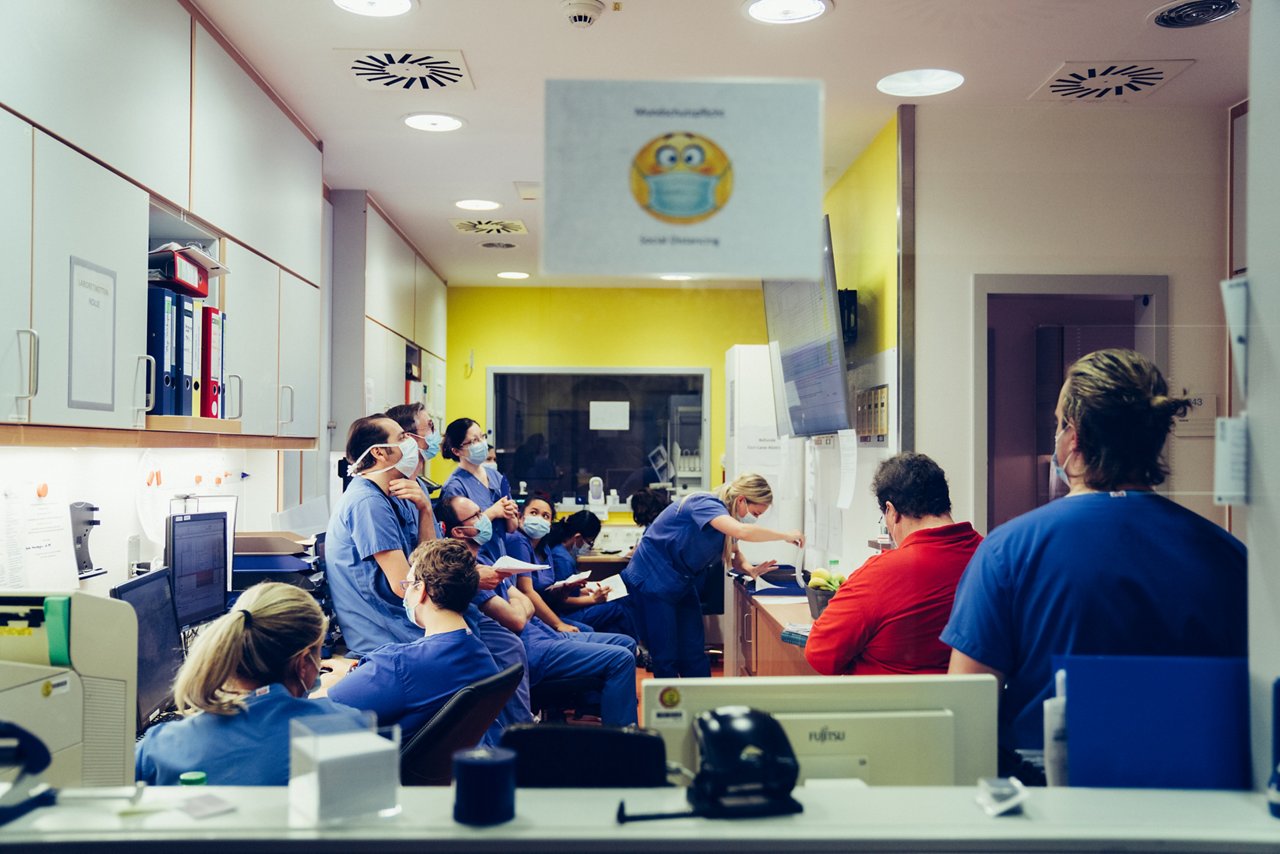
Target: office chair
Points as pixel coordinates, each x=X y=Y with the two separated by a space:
x=550 y=698
x=597 y=757
x=427 y=758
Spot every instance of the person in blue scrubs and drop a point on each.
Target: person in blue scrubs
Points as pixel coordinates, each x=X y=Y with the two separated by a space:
x=407 y=683
x=413 y=419
x=671 y=561
x=565 y=541
x=245 y=679
x=551 y=654
x=465 y=443
x=526 y=544
x=381 y=519
x=1111 y=568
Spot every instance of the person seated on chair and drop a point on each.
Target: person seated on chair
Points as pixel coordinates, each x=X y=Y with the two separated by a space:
x=565 y=541
x=527 y=543
x=407 y=683
x=551 y=654
x=1111 y=568
x=245 y=679
x=887 y=617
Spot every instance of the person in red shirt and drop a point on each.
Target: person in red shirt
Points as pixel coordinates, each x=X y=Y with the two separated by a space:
x=887 y=617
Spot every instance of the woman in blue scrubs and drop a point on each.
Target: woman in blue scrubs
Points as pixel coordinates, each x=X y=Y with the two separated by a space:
x=529 y=545
x=565 y=542
x=245 y=679
x=465 y=443
x=672 y=559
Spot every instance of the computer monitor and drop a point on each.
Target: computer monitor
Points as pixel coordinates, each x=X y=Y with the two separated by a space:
x=886 y=730
x=195 y=551
x=159 y=640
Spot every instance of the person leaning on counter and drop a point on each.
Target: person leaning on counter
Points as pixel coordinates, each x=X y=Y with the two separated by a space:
x=887 y=617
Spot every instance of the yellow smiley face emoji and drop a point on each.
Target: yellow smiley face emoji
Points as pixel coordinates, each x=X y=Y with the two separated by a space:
x=681 y=178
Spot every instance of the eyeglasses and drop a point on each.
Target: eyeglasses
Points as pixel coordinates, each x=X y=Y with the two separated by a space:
x=466 y=523
x=406 y=584
x=469 y=442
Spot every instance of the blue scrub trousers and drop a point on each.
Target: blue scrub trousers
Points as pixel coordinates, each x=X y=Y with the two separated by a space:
x=612 y=616
x=593 y=654
x=507 y=649
x=673 y=633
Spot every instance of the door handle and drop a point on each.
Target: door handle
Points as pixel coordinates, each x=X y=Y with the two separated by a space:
x=149 y=403
x=292 y=393
x=239 y=398
x=33 y=363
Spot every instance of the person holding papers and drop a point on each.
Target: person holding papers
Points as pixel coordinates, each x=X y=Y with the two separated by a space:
x=528 y=545
x=672 y=559
x=407 y=683
x=886 y=618
x=565 y=541
x=551 y=654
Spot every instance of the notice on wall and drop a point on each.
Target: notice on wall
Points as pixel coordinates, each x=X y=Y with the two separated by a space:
x=36 y=550
x=707 y=179
x=91 y=371
x=610 y=415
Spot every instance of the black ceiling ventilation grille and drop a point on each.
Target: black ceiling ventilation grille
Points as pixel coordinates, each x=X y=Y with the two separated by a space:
x=408 y=70
x=1109 y=81
x=489 y=226
x=1196 y=13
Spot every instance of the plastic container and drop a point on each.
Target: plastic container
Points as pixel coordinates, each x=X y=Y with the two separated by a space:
x=818 y=598
x=193 y=778
x=1055 y=733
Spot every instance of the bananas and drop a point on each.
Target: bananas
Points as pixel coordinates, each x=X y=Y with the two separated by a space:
x=820 y=579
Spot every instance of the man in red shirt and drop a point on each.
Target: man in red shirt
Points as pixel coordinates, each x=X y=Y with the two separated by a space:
x=887 y=617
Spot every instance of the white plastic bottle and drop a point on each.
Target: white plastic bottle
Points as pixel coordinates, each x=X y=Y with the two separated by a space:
x=1055 y=733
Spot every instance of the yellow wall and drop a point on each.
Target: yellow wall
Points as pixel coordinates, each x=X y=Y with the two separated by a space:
x=863 y=206
x=590 y=327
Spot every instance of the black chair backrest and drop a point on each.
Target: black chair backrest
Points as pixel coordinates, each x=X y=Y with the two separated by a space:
x=427 y=758
x=602 y=756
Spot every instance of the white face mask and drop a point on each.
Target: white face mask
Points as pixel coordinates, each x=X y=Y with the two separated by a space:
x=491 y=465
x=406 y=465
x=748 y=518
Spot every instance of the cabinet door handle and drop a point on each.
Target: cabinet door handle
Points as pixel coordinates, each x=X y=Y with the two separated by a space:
x=33 y=363
x=239 y=398
x=284 y=386
x=150 y=402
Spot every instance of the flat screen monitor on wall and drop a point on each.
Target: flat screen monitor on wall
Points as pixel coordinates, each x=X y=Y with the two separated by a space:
x=806 y=345
x=886 y=730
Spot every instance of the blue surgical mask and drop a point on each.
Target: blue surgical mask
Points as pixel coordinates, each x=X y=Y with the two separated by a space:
x=1058 y=471
x=409 y=608
x=536 y=526
x=478 y=452
x=682 y=194
x=484 y=530
x=433 y=445
x=579 y=550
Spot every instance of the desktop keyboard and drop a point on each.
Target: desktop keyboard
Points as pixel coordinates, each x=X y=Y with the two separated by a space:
x=165 y=717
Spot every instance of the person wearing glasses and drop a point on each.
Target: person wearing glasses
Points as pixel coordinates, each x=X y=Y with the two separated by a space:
x=672 y=559
x=407 y=683
x=382 y=517
x=414 y=420
x=464 y=442
x=551 y=654
x=1111 y=568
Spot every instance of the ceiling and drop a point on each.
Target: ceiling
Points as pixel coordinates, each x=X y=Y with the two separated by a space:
x=1006 y=49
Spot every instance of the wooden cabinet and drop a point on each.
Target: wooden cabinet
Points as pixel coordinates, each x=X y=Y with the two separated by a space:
x=745 y=620
x=383 y=368
x=299 y=404
x=761 y=649
x=251 y=342
x=17 y=342
x=88 y=291
x=389 y=277
x=429 y=311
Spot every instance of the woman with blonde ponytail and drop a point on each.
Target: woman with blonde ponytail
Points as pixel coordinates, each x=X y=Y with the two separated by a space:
x=672 y=559
x=246 y=677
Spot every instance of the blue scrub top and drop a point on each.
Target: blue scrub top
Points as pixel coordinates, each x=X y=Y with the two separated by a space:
x=520 y=547
x=249 y=748
x=407 y=683
x=366 y=522
x=563 y=564
x=463 y=482
x=680 y=543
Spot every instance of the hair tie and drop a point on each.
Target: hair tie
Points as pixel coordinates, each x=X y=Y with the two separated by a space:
x=248 y=618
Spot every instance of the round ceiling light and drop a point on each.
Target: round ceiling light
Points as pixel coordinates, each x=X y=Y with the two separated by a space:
x=477 y=205
x=920 y=82
x=513 y=275
x=435 y=122
x=495 y=244
x=375 y=8
x=785 y=11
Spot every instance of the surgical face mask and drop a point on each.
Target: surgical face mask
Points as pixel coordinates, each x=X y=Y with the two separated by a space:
x=579 y=550
x=748 y=518
x=491 y=465
x=484 y=530
x=536 y=526
x=682 y=194
x=410 y=607
x=478 y=452
x=1058 y=471
x=406 y=465
x=433 y=445
x=315 y=684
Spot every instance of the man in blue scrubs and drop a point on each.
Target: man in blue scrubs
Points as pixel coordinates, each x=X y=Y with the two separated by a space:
x=407 y=683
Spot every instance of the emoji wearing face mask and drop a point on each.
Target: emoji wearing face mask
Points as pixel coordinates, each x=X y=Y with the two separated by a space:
x=681 y=178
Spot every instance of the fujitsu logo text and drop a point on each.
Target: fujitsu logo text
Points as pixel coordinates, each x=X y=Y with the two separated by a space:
x=826 y=734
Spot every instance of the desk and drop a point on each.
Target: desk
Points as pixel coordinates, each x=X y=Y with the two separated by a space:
x=838 y=816
x=595 y=561
x=760 y=620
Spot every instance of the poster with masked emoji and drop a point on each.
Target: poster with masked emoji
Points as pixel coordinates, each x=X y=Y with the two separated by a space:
x=700 y=180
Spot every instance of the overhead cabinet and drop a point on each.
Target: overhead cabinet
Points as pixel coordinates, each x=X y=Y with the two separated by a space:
x=17 y=339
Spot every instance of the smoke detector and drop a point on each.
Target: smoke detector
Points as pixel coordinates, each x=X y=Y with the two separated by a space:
x=582 y=13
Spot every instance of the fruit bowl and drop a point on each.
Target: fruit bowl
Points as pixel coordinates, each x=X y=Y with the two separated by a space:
x=818 y=600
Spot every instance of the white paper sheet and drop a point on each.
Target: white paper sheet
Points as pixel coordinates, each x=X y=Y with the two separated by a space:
x=511 y=566
x=571 y=580
x=610 y=415
x=848 y=467
x=38 y=529
x=93 y=336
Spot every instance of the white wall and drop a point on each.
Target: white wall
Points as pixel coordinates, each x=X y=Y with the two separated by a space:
x=1264 y=373
x=1055 y=189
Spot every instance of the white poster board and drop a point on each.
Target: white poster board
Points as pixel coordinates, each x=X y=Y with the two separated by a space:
x=610 y=415
x=713 y=179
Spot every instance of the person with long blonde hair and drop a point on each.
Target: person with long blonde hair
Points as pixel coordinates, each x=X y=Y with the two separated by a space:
x=246 y=677
x=671 y=561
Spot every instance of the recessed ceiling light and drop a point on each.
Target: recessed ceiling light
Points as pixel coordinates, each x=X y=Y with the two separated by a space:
x=513 y=275
x=436 y=122
x=786 y=11
x=675 y=277
x=920 y=82
x=495 y=244
x=477 y=205
x=375 y=8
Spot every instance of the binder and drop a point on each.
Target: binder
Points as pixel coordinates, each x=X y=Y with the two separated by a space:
x=197 y=355
x=186 y=350
x=161 y=346
x=211 y=363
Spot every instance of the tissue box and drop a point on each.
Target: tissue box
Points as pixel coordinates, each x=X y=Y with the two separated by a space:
x=340 y=769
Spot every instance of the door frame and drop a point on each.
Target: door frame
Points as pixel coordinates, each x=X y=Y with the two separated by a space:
x=1151 y=338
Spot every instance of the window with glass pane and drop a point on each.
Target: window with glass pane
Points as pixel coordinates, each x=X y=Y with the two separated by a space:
x=556 y=429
